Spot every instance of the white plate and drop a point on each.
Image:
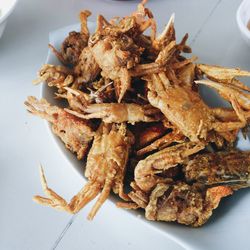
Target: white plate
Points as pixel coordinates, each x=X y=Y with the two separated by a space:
x=231 y=219
x=6 y=8
x=242 y=18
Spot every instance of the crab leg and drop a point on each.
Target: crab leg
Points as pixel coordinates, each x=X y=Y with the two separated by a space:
x=77 y=99
x=105 y=171
x=155 y=67
x=88 y=193
x=224 y=75
x=119 y=112
x=225 y=114
x=140 y=199
x=228 y=91
x=167 y=34
x=104 y=194
x=58 y=54
x=101 y=23
x=83 y=18
x=58 y=76
x=166 y=140
x=179 y=65
x=54 y=200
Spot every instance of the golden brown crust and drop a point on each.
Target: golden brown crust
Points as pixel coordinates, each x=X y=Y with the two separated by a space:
x=121 y=79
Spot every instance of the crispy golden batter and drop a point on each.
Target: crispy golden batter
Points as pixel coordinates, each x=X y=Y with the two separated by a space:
x=141 y=92
x=105 y=169
x=55 y=76
x=226 y=168
x=106 y=165
x=183 y=203
x=164 y=141
x=74 y=43
x=184 y=107
x=87 y=68
x=115 y=56
x=147 y=171
x=74 y=132
x=224 y=75
x=119 y=112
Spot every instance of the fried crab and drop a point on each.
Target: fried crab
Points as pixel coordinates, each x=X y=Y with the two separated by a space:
x=184 y=107
x=184 y=203
x=134 y=113
x=209 y=177
x=105 y=167
x=147 y=170
x=74 y=43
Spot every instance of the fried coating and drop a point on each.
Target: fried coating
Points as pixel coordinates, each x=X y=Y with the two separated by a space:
x=115 y=56
x=155 y=131
x=76 y=133
x=87 y=68
x=225 y=168
x=74 y=43
x=147 y=171
x=186 y=110
x=119 y=112
x=105 y=169
x=183 y=203
x=55 y=76
x=224 y=75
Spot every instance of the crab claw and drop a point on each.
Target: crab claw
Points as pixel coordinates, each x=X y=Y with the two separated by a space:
x=239 y=100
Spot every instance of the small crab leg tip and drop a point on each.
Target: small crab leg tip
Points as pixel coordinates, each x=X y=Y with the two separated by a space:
x=172 y=18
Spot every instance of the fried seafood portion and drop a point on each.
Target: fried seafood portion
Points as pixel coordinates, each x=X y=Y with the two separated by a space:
x=186 y=110
x=76 y=133
x=133 y=110
x=87 y=68
x=209 y=177
x=116 y=49
x=139 y=198
x=184 y=203
x=105 y=170
x=147 y=171
x=221 y=168
x=119 y=112
x=239 y=100
x=173 y=136
x=55 y=76
x=115 y=56
x=148 y=133
x=74 y=43
x=77 y=100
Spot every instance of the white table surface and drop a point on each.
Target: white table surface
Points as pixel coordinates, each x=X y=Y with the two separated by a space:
x=25 y=142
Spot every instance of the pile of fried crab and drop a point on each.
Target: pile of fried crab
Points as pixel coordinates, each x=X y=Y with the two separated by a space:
x=135 y=118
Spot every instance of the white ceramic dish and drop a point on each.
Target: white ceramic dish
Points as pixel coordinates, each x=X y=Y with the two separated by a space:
x=242 y=18
x=231 y=218
x=6 y=8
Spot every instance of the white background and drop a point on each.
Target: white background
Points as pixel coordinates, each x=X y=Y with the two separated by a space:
x=25 y=141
